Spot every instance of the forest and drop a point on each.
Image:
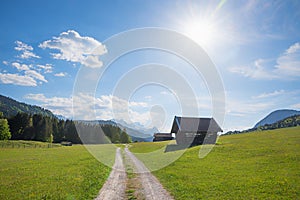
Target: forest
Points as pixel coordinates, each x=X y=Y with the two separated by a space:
x=38 y=127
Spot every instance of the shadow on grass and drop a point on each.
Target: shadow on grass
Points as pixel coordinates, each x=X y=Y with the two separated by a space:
x=175 y=147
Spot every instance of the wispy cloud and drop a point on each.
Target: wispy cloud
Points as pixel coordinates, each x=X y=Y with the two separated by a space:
x=241 y=108
x=21 y=67
x=270 y=94
x=16 y=79
x=27 y=76
x=75 y=48
x=286 y=67
x=35 y=75
x=61 y=74
x=26 y=50
x=296 y=106
x=48 y=68
x=288 y=64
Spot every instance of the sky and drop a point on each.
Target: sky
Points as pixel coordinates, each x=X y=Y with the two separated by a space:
x=45 y=47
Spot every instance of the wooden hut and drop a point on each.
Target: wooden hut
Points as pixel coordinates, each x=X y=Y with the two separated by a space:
x=193 y=131
x=162 y=137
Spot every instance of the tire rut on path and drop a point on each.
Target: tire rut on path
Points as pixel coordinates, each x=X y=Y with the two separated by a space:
x=152 y=188
x=115 y=186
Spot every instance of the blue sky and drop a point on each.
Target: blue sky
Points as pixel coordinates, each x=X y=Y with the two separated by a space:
x=255 y=46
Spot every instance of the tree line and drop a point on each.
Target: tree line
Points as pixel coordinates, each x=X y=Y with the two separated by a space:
x=38 y=127
x=287 y=122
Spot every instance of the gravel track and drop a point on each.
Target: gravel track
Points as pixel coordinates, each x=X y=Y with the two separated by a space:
x=115 y=186
x=152 y=188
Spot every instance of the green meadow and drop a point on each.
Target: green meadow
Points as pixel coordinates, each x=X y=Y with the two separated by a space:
x=31 y=170
x=258 y=165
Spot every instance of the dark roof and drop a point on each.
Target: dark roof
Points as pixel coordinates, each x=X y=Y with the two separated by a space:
x=162 y=135
x=193 y=124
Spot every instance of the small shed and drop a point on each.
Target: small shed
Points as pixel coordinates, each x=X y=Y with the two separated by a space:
x=193 y=131
x=66 y=143
x=162 y=137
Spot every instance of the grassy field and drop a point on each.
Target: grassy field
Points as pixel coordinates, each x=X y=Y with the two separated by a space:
x=49 y=173
x=259 y=165
x=26 y=144
x=146 y=147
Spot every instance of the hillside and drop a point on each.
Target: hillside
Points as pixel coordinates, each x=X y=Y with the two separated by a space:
x=10 y=107
x=291 y=121
x=285 y=123
x=276 y=116
x=259 y=165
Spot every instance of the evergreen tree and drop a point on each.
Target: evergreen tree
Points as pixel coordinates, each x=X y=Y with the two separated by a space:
x=4 y=130
x=18 y=124
x=70 y=132
x=124 y=137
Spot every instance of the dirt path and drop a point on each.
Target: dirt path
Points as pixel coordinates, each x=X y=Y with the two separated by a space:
x=146 y=184
x=151 y=187
x=114 y=187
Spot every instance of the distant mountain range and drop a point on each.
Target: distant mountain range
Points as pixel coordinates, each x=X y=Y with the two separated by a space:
x=276 y=116
x=277 y=119
x=136 y=131
x=139 y=134
x=10 y=107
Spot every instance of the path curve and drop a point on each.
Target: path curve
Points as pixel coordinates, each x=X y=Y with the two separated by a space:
x=152 y=188
x=115 y=186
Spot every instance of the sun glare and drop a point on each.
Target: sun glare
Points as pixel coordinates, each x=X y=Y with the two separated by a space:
x=202 y=31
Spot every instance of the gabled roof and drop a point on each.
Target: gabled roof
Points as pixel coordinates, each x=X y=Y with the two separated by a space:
x=193 y=124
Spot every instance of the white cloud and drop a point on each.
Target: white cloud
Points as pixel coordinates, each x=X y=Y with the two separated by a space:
x=17 y=79
x=287 y=66
x=243 y=108
x=48 y=68
x=271 y=94
x=75 y=48
x=22 y=46
x=5 y=62
x=87 y=107
x=293 y=49
x=148 y=97
x=296 y=106
x=256 y=70
x=28 y=77
x=21 y=67
x=26 y=50
x=58 y=105
x=35 y=75
x=61 y=74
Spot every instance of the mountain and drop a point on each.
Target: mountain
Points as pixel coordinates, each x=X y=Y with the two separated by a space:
x=10 y=107
x=276 y=116
x=99 y=122
x=137 y=131
x=284 y=123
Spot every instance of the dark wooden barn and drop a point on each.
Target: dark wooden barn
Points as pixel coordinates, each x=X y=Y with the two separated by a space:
x=162 y=137
x=193 y=131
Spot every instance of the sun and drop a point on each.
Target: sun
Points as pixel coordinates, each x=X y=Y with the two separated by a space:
x=202 y=31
